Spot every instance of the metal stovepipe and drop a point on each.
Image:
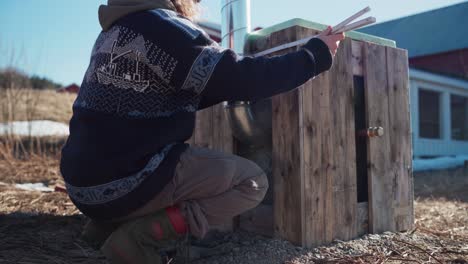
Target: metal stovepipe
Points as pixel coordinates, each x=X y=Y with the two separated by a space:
x=250 y=122
x=235 y=24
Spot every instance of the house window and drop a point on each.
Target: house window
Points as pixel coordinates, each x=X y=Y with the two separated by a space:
x=459 y=118
x=429 y=114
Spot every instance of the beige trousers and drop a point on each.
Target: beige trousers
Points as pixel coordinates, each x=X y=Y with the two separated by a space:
x=211 y=188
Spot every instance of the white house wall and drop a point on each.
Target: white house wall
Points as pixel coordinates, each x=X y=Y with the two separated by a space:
x=445 y=146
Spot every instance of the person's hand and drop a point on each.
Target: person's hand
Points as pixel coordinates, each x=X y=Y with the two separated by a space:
x=332 y=40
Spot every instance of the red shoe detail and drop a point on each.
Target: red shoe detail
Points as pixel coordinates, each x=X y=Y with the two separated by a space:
x=158 y=233
x=177 y=219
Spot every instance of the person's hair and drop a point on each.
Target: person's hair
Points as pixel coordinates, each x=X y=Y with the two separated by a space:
x=187 y=8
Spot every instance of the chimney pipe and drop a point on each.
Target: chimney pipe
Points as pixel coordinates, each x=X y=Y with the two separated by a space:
x=250 y=122
x=235 y=24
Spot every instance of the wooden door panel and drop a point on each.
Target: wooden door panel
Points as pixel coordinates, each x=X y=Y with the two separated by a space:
x=390 y=184
x=400 y=137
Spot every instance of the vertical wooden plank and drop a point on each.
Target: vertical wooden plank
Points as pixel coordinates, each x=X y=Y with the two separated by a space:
x=203 y=136
x=318 y=226
x=287 y=149
x=318 y=163
x=287 y=155
x=399 y=133
x=302 y=200
x=212 y=130
x=222 y=135
x=286 y=160
x=357 y=57
x=343 y=142
x=381 y=178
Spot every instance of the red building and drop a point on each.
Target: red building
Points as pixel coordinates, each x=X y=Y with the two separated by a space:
x=72 y=88
x=453 y=63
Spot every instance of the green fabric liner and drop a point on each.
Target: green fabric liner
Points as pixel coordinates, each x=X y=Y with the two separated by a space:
x=317 y=26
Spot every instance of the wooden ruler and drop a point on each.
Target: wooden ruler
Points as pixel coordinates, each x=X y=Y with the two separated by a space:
x=343 y=26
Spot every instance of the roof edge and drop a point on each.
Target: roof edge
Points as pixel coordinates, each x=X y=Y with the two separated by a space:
x=438 y=78
x=415 y=14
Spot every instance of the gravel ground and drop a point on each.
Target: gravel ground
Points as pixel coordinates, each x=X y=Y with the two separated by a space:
x=388 y=247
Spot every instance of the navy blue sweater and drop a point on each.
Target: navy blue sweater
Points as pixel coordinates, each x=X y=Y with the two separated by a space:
x=147 y=77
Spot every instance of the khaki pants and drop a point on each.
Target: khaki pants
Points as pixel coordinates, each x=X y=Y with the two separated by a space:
x=210 y=187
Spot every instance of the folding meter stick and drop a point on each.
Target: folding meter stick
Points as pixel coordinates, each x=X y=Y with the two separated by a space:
x=344 y=26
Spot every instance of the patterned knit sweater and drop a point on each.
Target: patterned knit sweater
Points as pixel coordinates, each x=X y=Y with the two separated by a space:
x=148 y=75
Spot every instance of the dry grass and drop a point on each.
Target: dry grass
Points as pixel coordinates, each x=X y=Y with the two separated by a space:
x=26 y=158
x=29 y=104
x=30 y=159
x=35 y=169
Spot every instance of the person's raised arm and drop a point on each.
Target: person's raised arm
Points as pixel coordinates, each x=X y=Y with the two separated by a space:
x=249 y=79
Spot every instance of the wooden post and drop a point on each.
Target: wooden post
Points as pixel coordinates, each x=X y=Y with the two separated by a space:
x=314 y=158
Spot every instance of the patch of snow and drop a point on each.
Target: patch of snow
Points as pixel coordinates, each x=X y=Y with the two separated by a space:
x=36 y=128
x=440 y=163
x=34 y=187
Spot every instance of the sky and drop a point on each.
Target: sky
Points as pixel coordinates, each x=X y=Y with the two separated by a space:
x=54 y=38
